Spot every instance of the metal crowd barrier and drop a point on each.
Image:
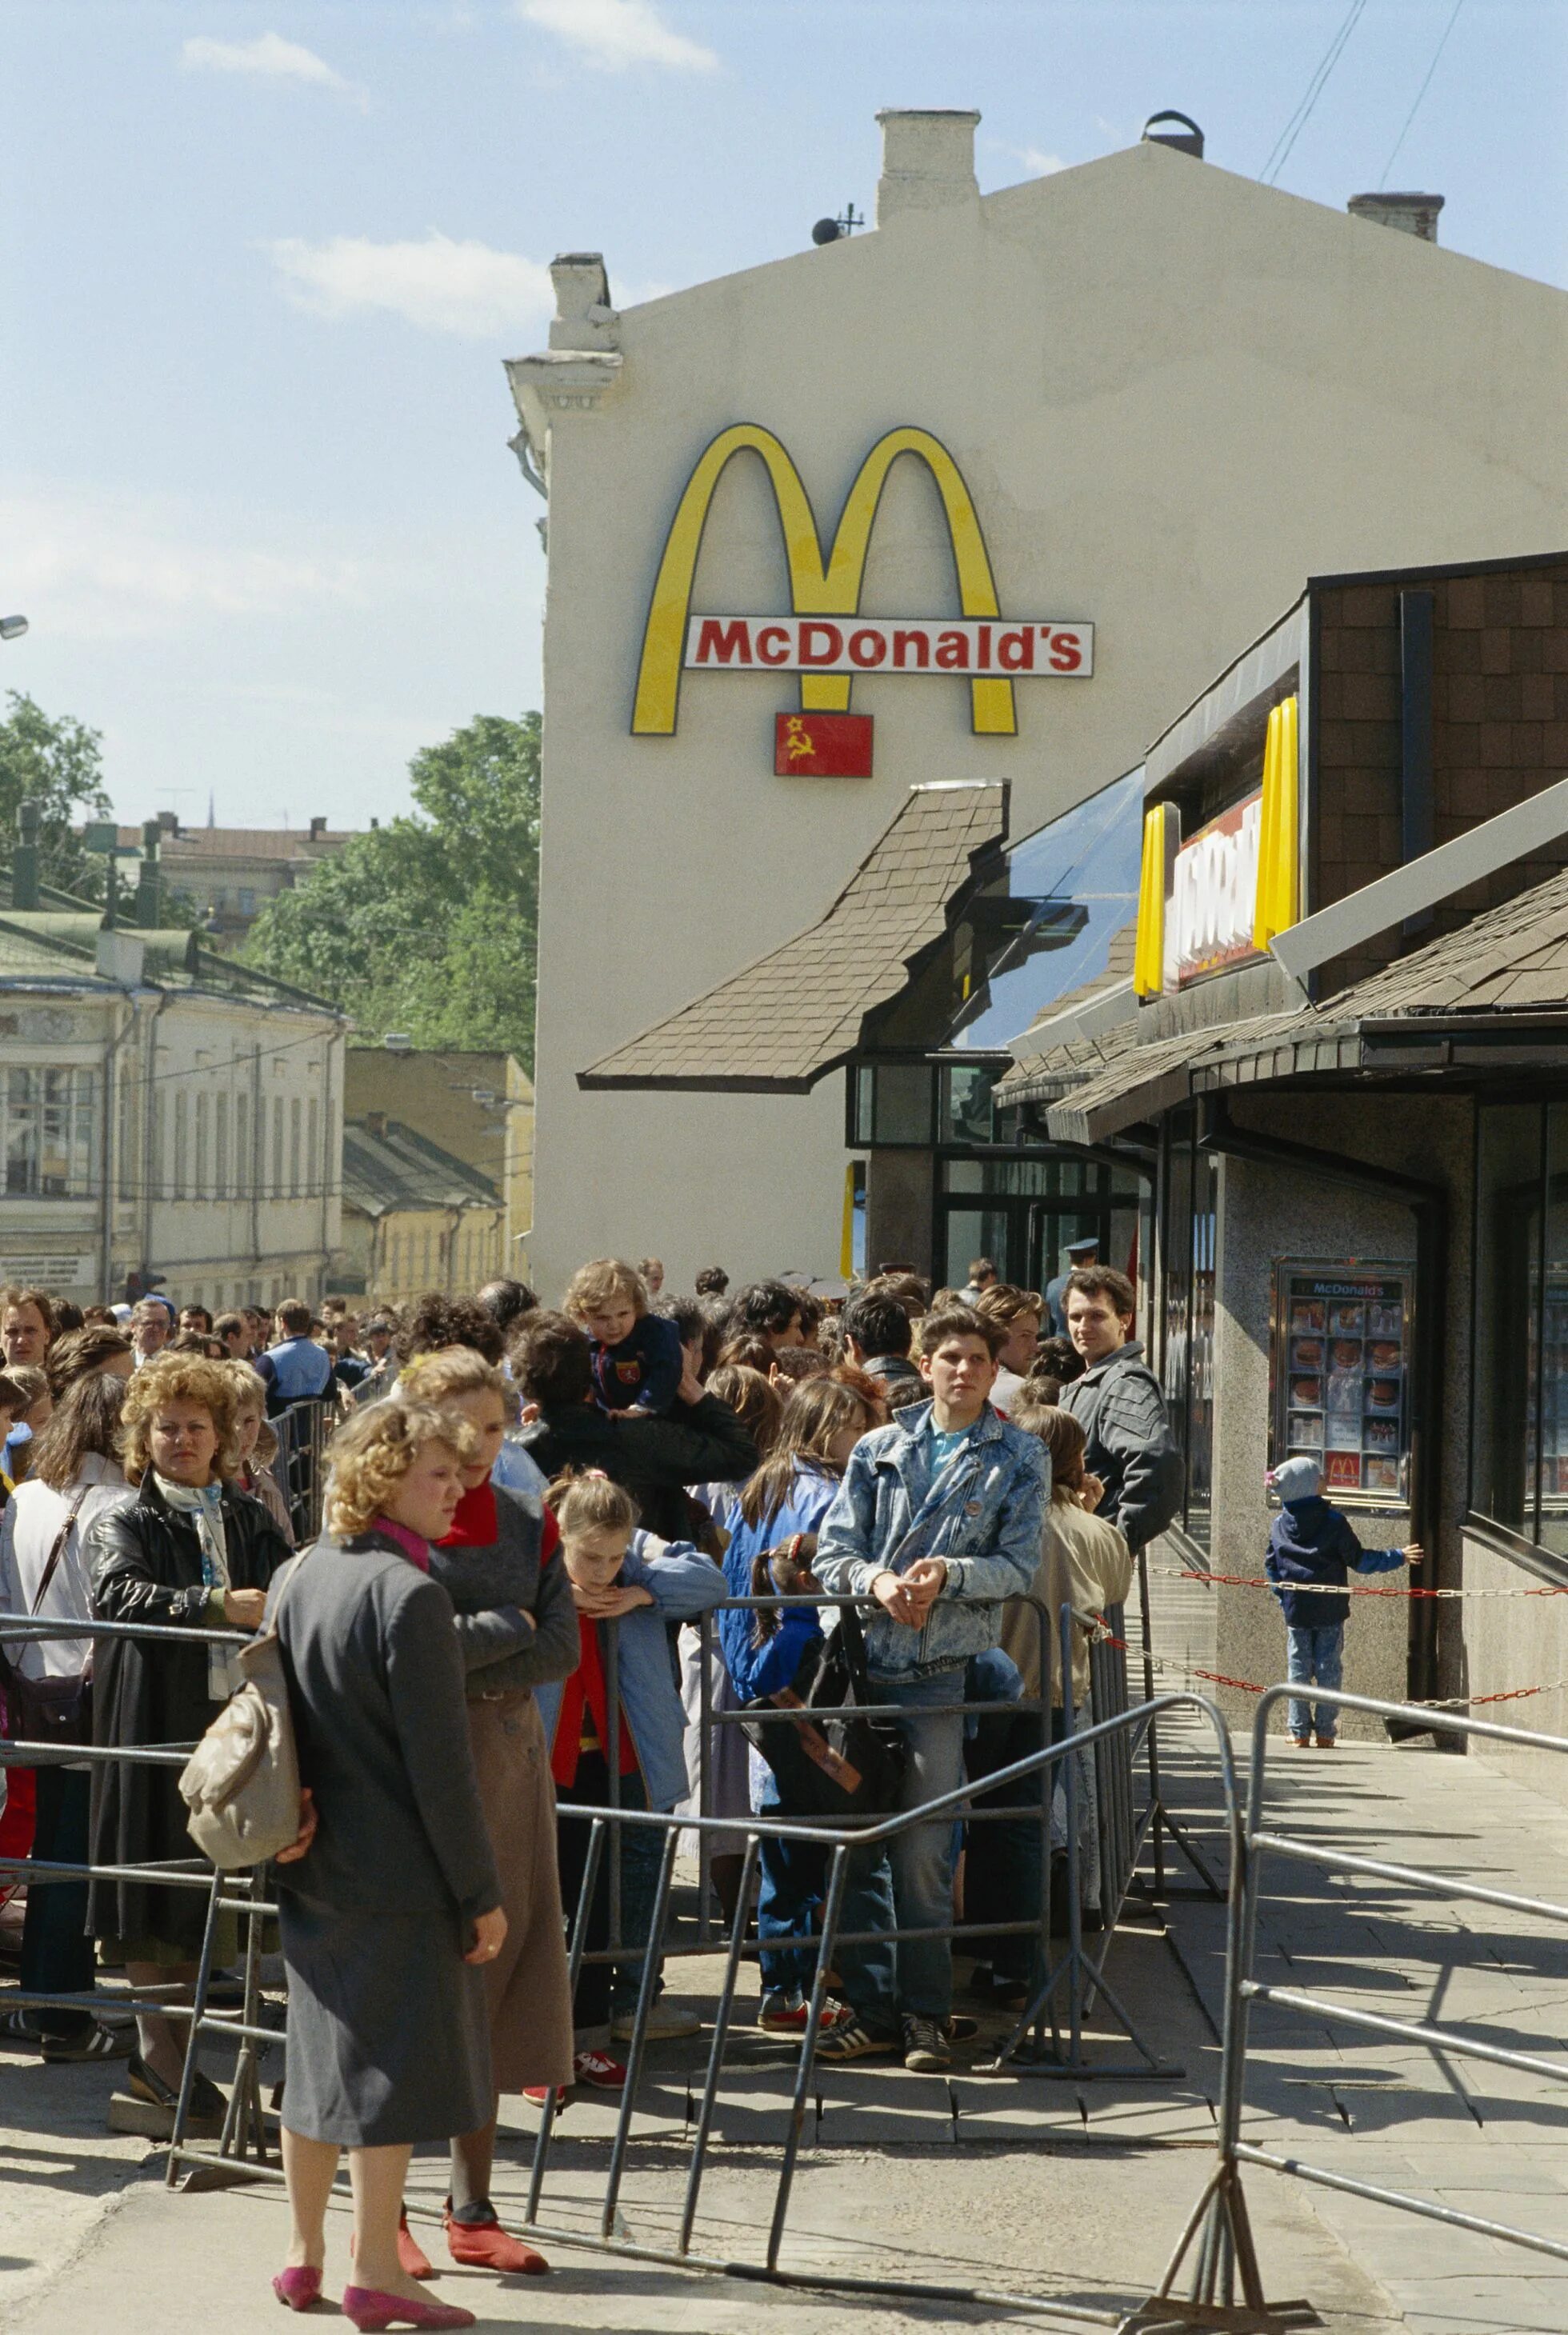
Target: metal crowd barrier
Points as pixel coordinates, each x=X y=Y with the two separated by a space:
x=304 y=1431
x=245 y=2152
x=1218 y=2236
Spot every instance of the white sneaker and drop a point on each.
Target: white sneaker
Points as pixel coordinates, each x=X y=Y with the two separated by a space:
x=666 y=2021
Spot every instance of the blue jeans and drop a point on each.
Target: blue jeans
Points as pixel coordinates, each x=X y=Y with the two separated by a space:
x=908 y=1883
x=1315 y=1657
x=792 y=1877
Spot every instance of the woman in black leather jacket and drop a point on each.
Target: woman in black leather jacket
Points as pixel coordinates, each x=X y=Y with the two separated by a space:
x=190 y=1552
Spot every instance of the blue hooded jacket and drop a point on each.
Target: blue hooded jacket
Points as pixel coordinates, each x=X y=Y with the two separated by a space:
x=1311 y=1540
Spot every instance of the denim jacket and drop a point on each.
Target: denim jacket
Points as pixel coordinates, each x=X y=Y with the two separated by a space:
x=682 y=1583
x=983 y=1513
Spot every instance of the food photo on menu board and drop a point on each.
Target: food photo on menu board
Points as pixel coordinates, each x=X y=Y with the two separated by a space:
x=1339 y=1381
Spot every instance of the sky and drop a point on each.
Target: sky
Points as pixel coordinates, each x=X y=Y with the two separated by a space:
x=259 y=267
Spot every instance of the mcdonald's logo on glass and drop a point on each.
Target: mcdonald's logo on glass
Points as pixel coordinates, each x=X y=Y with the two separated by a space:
x=821 y=639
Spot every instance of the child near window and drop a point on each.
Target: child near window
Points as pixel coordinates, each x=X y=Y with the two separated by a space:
x=1311 y=1548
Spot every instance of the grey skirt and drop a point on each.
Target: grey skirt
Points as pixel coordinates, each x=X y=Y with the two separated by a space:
x=388 y=2039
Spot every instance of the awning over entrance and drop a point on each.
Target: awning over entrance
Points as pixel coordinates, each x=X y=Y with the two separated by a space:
x=1488 y=998
x=797 y=1014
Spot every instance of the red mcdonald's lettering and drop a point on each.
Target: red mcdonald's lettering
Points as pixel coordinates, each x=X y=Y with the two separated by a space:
x=983 y=659
x=766 y=653
x=952 y=651
x=829 y=652
x=1015 y=651
x=868 y=646
x=1066 y=652
x=901 y=644
x=724 y=643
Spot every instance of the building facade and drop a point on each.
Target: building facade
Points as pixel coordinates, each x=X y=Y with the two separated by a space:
x=227 y=875
x=415 y=1216
x=165 y=1116
x=478 y=1108
x=973 y=498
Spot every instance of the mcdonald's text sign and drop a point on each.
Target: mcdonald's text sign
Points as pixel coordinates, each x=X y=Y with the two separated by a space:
x=824 y=638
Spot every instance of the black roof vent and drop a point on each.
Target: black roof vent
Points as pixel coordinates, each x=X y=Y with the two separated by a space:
x=1178 y=130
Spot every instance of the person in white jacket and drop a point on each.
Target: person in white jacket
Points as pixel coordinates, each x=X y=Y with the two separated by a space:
x=76 y=1476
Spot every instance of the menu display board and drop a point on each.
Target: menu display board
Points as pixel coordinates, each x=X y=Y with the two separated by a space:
x=1340 y=1375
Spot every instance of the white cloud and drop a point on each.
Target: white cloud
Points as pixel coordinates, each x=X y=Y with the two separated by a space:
x=440 y=284
x=87 y=566
x=270 y=58
x=1037 y=164
x=615 y=33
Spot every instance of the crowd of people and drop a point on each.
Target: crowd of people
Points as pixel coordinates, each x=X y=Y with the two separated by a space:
x=528 y=1511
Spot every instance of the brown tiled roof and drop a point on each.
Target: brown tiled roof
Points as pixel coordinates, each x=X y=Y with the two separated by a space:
x=1510 y=960
x=782 y=1024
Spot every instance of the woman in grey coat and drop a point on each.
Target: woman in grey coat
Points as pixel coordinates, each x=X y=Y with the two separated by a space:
x=389 y=1901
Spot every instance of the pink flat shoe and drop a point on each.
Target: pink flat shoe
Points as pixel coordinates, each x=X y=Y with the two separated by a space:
x=298 y=2286
x=371 y=2311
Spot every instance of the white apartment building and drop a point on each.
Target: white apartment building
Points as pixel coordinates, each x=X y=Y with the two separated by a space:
x=163 y=1112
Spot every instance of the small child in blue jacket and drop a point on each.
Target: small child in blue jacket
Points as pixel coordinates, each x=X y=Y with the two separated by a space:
x=637 y=1356
x=1311 y=1549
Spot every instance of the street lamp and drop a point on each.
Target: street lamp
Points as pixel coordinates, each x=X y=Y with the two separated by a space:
x=12 y=627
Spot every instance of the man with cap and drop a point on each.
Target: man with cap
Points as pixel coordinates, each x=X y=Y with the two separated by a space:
x=1079 y=1252
x=1311 y=1549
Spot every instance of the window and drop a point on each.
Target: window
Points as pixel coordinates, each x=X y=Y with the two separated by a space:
x=893 y=1103
x=277 y=1147
x=126 y=1166
x=203 y=1145
x=159 y=1136
x=221 y=1109
x=1519 y=1368
x=296 y=1113
x=181 y=1143
x=247 y=900
x=1022 y=1213
x=49 y=1133
x=1188 y=1217
x=243 y=1177
x=315 y=1180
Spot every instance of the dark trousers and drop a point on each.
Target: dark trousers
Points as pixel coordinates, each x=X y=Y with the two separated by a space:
x=590 y=1788
x=56 y=1950
x=1004 y=1864
x=793 y=1875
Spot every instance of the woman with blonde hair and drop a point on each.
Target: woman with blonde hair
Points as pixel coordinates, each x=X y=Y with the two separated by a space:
x=190 y=1552
x=389 y=1901
x=517 y=1630
x=259 y=1447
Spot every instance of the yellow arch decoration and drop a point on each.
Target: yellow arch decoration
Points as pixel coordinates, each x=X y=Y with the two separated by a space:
x=817 y=587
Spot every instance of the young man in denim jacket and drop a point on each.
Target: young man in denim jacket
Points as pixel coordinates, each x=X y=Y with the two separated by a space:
x=940 y=1517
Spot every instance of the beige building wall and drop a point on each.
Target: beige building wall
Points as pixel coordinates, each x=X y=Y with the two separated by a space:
x=411 y=1250
x=1173 y=393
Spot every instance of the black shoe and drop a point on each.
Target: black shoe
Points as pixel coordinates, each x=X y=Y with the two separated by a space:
x=144 y=2083
x=226 y=1991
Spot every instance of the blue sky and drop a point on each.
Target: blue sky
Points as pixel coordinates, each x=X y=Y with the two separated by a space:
x=259 y=266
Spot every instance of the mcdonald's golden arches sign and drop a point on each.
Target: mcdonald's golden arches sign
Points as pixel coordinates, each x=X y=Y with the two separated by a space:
x=821 y=639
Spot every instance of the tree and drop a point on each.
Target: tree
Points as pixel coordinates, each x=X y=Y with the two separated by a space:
x=430 y=923
x=58 y=764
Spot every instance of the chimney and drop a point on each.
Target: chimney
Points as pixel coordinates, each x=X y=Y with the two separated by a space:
x=1410 y=214
x=584 y=319
x=398 y=1042
x=318 y=829
x=1178 y=130
x=928 y=162
x=168 y=822
x=376 y=1122
x=24 y=865
x=149 y=898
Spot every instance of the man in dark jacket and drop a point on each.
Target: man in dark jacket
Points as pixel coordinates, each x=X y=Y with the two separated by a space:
x=654 y=1458
x=877 y=1337
x=1119 y=1406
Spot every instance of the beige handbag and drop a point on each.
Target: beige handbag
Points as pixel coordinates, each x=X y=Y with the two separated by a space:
x=241 y=1783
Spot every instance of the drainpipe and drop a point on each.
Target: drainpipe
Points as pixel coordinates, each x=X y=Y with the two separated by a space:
x=1429 y=1204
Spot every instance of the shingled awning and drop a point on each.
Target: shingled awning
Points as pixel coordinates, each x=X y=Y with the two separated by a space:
x=784 y=1023
x=1492 y=994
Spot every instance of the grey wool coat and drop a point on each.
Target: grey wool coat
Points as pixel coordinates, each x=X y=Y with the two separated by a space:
x=517 y=1624
x=376 y=1685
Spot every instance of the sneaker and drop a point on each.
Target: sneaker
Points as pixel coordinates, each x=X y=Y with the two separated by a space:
x=786 y=2014
x=540 y=2093
x=850 y=2041
x=927 y=2050
x=665 y=2022
x=98 y=2043
x=959 y=2030
x=599 y=2071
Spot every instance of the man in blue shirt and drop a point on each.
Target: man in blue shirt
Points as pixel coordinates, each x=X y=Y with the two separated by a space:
x=296 y=1369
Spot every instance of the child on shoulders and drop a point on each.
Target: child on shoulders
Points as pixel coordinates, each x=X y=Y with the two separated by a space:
x=637 y=1357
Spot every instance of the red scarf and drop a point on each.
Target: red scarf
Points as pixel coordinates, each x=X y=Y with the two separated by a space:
x=475 y=1524
x=584 y=1690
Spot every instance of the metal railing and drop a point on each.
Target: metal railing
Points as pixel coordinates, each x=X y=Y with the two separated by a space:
x=304 y=1431
x=1218 y=2236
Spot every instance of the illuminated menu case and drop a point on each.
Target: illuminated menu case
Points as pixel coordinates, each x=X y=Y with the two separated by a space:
x=1340 y=1376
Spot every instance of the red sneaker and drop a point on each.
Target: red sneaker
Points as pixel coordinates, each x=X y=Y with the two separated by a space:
x=540 y=2093
x=485 y=2246
x=599 y=2070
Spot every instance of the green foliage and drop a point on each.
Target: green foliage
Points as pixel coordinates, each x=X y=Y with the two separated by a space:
x=430 y=923
x=58 y=765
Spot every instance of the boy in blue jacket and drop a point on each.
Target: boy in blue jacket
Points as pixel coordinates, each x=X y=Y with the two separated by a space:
x=637 y=1356
x=1311 y=1549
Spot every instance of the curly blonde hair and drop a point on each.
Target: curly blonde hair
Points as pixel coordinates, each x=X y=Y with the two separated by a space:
x=178 y=1378
x=372 y=1453
x=436 y=1378
x=607 y=1281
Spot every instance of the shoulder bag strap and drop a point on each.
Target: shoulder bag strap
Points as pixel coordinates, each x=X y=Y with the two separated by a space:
x=56 y=1554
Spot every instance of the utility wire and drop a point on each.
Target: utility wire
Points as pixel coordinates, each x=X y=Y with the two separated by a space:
x=1280 y=154
x=1420 y=94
